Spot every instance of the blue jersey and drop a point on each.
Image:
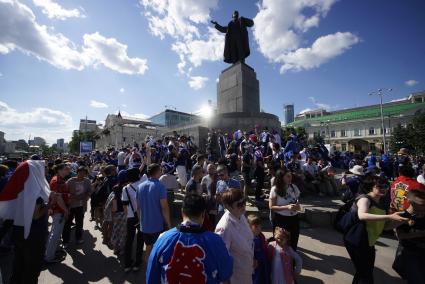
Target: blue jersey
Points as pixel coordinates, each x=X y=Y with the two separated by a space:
x=189 y=256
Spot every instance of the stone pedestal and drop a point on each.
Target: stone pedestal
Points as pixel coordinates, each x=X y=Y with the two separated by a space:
x=238 y=101
x=238 y=90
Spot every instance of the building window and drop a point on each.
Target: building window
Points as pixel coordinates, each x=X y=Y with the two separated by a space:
x=372 y=147
x=371 y=131
x=323 y=133
x=343 y=147
x=357 y=132
x=333 y=134
x=418 y=100
x=343 y=133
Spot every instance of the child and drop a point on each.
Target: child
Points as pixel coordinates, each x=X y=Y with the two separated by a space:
x=261 y=273
x=282 y=257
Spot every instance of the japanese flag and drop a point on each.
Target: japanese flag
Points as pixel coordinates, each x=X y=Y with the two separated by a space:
x=18 y=197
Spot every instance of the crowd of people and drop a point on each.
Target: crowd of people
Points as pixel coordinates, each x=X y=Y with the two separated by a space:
x=131 y=192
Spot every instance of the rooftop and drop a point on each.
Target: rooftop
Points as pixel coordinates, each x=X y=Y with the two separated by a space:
x=389 y=109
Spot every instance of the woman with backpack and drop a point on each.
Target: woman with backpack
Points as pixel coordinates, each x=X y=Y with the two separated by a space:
x=368 y=222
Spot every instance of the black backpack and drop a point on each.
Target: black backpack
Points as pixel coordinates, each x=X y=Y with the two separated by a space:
x=347 y=216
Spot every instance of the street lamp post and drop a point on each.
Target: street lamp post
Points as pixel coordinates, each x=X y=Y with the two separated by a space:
x=380 y=93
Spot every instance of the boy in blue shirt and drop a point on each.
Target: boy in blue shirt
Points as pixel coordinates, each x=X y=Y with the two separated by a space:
x=189 y=254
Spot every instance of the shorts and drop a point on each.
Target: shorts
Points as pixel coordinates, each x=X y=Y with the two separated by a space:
x=150 y=238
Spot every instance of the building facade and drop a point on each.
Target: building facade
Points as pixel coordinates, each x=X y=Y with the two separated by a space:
x=87 y=125
x=122 y=131
x=37 y=141
x=288 y=114
x=359 y=129
x=172 y=118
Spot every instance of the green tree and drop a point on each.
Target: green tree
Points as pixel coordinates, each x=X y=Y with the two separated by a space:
x=77 y=137
x=411 y=137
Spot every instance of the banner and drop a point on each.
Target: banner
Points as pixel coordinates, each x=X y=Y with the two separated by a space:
x=86 y=147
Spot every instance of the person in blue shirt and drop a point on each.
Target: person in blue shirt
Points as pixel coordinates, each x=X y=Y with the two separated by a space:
x=152 y=207
x=223 y=185
x=188 y=253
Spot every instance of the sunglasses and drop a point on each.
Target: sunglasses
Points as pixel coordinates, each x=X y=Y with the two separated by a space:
x=241 y=203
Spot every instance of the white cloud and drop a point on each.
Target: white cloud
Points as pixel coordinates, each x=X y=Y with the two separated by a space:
x=112 y=54
x=197 y=82
x=198 y=50
x=97 y=104
x=305 y=110
x=411 y=83
x=21 y=31
x=1 y=74
x=320 y=105
x=177 y=18
x=280 y=24
x=55 y=11
x=122 y=90
x=323 y=49
x=184 y=21
x=44 y=122
x=124 y=105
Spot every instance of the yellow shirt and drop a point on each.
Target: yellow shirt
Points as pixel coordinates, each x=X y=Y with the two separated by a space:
x=375 y=228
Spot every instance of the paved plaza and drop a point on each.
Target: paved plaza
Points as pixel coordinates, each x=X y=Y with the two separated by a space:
x=325 y=261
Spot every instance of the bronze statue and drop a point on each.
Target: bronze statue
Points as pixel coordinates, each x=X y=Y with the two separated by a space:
x=236 y=46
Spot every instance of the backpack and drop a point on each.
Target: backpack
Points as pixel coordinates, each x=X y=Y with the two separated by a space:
x=347 y=216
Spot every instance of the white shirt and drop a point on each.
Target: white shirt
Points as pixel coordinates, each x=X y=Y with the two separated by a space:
x=121 y=158
x=205 y=183
x=277 y=272
x=132 y=193
x=239 y=241
x=170 y=182
x=292 y=195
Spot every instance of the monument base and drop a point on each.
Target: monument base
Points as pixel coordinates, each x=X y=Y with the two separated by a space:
x=244 y=121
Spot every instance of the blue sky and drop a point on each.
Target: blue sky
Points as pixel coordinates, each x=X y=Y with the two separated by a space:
x=62 y=60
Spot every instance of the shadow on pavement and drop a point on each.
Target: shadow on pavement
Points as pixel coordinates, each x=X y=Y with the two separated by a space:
x=329 y=264
x=91 y=265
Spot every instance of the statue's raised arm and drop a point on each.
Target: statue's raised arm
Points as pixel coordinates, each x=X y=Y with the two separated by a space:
x=219 y=28
x=236 y=47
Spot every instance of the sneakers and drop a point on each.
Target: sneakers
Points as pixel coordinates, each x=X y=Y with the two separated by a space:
x=65 y=245
x=127 y=269
x=136 y=268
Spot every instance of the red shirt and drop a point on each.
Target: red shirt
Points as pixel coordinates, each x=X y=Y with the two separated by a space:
x=398 y=191
x=58 y=184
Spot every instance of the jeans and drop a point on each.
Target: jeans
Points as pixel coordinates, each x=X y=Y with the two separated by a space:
x=78 y=213
x=132 y=226
x=28 y=253
x=363 y=258
x=54 y=236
